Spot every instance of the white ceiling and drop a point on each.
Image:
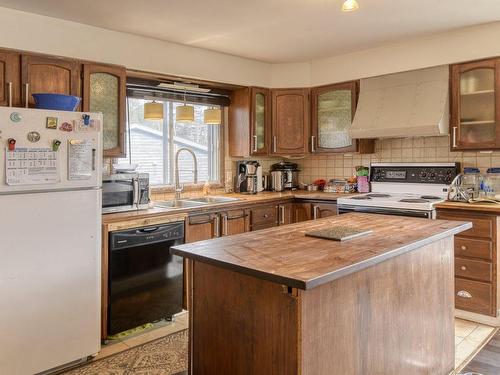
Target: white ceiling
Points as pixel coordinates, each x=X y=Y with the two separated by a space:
x=275 y=31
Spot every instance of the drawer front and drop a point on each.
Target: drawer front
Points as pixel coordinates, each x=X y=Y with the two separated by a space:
x=473 y=296
x=482 y=227
x=474 y=269
x=264 y=215
x=468 y=247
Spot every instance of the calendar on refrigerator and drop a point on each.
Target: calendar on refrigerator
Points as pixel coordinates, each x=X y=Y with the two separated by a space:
x=31 y=166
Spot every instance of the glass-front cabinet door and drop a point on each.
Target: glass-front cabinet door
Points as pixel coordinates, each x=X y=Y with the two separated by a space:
x=475 y=106
x=259 y=121
x=105 y=91
x=333 y=109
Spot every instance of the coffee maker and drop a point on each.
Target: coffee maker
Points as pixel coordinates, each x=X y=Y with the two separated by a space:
x=249 y=177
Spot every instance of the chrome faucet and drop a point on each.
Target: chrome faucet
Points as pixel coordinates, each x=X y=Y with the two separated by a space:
x=179 y=187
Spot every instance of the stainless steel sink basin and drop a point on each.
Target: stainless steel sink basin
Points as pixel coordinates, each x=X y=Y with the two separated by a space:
x=214 y=200
x=179 y=203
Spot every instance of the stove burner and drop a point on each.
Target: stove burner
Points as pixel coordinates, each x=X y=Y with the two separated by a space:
x=431 y=197
x=414 y=200
x=361 y=197
x=378 y=195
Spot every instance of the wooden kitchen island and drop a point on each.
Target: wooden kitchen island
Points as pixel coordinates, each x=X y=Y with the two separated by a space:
x=278 y=302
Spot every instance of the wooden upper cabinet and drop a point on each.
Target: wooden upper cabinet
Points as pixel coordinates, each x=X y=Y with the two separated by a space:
x=260 y=117
x=475 y=105
x=44 y=74
x=249 y=122
x=333 y=108
x=290 y=121
x=104 y=90
x=10 y=78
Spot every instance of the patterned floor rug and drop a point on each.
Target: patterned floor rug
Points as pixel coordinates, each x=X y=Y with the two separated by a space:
x=164 y=356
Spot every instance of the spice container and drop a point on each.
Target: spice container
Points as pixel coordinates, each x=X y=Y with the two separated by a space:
x=472 y=182
x=491 y=183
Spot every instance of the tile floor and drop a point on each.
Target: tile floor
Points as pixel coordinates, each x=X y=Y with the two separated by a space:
x=159 y=330
x=470 y=337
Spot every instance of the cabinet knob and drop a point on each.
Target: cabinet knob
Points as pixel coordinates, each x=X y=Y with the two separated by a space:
x=463 y=268
x=463 y=247
x=464 y=294
x=266 y=216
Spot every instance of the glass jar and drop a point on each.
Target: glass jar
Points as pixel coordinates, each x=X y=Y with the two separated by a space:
x=472 y=182
x=491 y=183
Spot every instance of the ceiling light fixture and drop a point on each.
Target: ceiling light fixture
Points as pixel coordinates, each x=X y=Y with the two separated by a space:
x=184 y=113
x=212 y=116
x=153 y=111
x=350 y=6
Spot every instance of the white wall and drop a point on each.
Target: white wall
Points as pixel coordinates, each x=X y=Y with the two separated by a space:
x=290 y=75
x=31 y=32
x=461 y=45
x=26 y=31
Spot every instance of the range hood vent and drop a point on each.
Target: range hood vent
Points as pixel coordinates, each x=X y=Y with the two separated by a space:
x=406 y=104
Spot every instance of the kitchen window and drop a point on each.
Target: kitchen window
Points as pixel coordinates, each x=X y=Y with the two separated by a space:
x=153 y=143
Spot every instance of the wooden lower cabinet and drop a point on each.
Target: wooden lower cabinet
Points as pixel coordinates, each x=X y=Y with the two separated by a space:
x=272 y=215
x=475 y=261
x=234 y=222
x=264 y=216
x=302 y=212
x=281 y=213
x=200 y=227
x=322 y=210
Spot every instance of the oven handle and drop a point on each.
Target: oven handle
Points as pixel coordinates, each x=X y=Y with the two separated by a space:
x=385 y=211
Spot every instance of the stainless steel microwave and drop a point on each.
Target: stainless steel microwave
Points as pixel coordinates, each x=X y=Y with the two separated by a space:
x=125 y=192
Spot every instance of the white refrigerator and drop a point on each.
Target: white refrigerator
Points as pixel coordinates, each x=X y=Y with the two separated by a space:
x=50 y=238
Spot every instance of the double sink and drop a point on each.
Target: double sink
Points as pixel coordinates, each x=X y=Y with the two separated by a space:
x=194 y=202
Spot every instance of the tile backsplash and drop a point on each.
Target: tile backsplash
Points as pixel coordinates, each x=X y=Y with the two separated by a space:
x=419 y=149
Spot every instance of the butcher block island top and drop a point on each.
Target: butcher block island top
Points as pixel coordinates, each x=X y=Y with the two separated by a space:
x=285 y=255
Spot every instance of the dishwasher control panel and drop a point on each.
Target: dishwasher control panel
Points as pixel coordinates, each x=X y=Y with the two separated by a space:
x=147 y=235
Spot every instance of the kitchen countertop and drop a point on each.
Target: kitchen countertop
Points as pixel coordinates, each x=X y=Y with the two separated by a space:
x=482 y=207
x=245 y=199
x=285 y=255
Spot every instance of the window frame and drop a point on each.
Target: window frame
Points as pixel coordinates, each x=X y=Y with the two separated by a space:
x=168 y=128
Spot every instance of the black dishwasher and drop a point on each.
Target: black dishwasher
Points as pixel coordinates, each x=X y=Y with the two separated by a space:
x=145 y=281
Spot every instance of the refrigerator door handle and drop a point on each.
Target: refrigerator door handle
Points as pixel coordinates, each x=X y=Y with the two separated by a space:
x=93 y=158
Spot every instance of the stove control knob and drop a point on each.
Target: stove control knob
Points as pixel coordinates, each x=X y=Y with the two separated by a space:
x=432 y=175
x=423 y=174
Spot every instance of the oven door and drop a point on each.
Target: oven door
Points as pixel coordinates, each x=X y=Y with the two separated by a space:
x=119 y=193
x=343 y=209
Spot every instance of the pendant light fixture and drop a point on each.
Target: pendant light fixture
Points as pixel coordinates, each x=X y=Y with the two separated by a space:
x=153 y=111
x=212 y=116
x=350 y=6
x=184 y=113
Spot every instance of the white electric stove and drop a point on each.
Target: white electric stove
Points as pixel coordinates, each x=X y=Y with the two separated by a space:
x=406 y=189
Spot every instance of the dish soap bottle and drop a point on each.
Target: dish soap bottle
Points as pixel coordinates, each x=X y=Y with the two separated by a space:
x=206 y=188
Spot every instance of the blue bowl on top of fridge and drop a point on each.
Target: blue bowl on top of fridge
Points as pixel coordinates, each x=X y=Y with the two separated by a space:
x=58 y=102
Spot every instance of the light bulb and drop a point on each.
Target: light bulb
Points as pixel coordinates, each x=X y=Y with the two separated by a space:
x=350 y=5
